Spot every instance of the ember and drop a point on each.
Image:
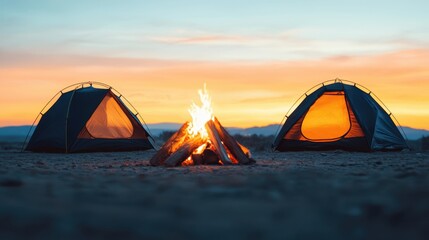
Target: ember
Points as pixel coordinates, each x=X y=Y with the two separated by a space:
x=202 y=141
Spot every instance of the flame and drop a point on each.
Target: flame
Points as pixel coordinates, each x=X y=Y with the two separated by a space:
x=200 y=114
x=188 y=162
x=201 y=148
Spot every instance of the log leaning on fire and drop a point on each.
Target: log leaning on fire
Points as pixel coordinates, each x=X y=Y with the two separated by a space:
x=217 y=142
x=184 y=151
x=245 y=150
x=171 y=145
x=232 y=145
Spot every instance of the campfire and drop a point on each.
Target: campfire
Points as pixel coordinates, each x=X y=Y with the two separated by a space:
x=202 y=141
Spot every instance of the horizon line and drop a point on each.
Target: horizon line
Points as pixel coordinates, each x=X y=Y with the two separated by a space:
x=178 y=123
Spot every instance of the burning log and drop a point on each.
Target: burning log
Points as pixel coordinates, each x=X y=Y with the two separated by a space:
x=197 y=158
x=245 y=150
x=217 y=142
x=170 y=146
x=184 y=151
x=232 y=145
x=210 y=157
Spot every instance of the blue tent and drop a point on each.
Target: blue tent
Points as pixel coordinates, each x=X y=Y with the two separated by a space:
x=89 y=119
x=339 y=115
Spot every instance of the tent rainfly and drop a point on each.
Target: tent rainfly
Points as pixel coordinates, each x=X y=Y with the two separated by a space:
x=89 y=119
x=339 y=115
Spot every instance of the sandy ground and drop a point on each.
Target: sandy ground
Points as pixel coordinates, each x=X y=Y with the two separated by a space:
x=300 y=195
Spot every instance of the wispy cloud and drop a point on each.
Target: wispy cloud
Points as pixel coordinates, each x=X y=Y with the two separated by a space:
x=287 y=45
x=202 y=39
x=195 y=37
x=9 y=59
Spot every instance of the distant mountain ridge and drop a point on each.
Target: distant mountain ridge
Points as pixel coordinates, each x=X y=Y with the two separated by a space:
x=415 y=133
x=15 y=130
x=158 y=128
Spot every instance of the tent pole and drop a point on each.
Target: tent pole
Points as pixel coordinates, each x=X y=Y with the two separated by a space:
x=29 y=131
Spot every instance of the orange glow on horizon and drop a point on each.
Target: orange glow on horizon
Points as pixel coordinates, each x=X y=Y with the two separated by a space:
x=244 y=94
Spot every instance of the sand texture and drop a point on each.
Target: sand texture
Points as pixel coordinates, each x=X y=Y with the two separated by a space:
x=298 y=195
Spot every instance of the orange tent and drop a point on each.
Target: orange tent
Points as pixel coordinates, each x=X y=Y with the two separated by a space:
x=339 y=115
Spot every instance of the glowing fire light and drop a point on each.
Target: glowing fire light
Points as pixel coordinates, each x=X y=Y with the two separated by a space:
x=200 y=114
x=201 y=148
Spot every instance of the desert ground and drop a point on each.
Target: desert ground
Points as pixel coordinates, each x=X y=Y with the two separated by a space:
x=296 y=195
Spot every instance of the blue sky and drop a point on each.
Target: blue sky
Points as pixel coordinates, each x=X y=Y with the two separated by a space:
x=213 y=30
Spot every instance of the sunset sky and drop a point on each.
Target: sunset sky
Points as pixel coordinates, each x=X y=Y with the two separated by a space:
x=257 y=57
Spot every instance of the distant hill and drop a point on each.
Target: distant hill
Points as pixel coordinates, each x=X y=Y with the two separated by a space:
x=19 y=132
x=157 y=128
x=414 y=133
x=14 y=134
x=265 y=130
x=14 y=131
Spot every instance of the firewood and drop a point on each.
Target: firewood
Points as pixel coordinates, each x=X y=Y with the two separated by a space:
x=170 y=146
x=210 y=157
x=217 y=142
x=184 y=151
x=232 y=145
x=230 y=155
x=197 y=158
x=245 y=150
